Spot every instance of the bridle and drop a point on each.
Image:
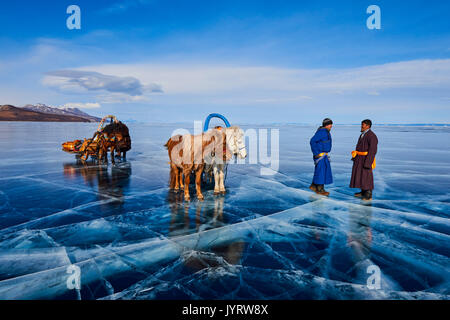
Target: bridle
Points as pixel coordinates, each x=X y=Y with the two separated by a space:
x=236 y=143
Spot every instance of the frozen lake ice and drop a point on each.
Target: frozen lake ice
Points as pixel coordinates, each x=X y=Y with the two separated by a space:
x=269 y=237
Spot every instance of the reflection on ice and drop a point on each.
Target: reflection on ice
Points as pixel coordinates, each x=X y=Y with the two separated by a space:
x=110 y=183
x=268 y=237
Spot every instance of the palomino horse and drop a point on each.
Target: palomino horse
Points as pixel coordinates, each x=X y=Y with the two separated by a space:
x=187 y=154
x=233 y=144
x=211 y=149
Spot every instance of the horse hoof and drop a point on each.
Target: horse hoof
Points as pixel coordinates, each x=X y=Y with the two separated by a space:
x=187 y=198
x=200 y=197
x=222 y=192
x=216 y=193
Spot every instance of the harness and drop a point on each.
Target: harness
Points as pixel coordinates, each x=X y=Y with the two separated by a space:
x=235 y=143
x=225 y=144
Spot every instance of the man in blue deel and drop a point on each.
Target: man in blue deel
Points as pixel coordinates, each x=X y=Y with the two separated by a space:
x=320 y=146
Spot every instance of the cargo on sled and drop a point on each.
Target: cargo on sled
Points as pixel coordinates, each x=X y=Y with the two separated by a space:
x=112 y=136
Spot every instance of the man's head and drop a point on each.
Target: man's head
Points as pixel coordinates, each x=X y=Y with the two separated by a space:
x=366 y=124
x=327 y=123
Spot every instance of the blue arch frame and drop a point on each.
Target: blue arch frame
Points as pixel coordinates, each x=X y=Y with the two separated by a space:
x=215 y=115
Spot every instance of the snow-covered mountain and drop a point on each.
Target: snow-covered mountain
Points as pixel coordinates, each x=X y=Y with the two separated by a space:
x=61 y=111
x=11 y=113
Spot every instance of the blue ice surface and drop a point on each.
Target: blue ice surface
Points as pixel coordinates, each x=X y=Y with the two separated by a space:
x=269 y=237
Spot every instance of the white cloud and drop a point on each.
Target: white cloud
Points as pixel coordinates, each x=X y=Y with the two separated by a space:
x=200 y=84
x=95 y=81
x=81 y=105
x=204 y=79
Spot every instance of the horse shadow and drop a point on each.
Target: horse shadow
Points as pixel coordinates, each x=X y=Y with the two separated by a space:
x=188 y=218
x=109 y=182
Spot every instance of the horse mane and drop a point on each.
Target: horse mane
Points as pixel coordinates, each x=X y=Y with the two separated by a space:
x=233 y=128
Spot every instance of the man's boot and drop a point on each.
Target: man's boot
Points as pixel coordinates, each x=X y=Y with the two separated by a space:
x=367 y=195
x=313 y=187
x=321 y=190
x=359 y=194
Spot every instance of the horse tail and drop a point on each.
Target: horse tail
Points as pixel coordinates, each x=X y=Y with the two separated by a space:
x=167 y=143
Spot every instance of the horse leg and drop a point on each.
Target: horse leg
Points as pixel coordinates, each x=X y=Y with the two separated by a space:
x=210 y=174
x=207 y=172
x=175 y=174
x=221 y=179
x=216 y=180
x=187 y=178
x=105 y=154
x=99 y=155
x=85 y=156
x=181 y=179
x=198 y=181
x=112 y=155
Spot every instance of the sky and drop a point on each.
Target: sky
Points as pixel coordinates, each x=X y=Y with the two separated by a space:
x=252 y=61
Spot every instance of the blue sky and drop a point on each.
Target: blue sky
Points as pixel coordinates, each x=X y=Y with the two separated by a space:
x=254 y=61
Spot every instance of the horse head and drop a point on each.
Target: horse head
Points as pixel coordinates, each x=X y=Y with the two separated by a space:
x=236 y=141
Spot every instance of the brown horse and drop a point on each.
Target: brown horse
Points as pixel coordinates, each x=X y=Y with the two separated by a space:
x=116 y=138
x=187 y=154
x=107 y=142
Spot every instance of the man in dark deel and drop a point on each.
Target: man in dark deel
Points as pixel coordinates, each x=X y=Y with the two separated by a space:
x=320 y=146
x=364 y=161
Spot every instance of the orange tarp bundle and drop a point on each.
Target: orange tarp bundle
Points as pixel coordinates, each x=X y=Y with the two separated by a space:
x=72 y=146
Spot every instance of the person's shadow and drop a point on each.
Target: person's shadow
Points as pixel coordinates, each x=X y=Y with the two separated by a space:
x=359 y=239
x=359 y=235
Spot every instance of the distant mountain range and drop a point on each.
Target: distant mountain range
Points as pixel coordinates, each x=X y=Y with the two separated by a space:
x=42 y=112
